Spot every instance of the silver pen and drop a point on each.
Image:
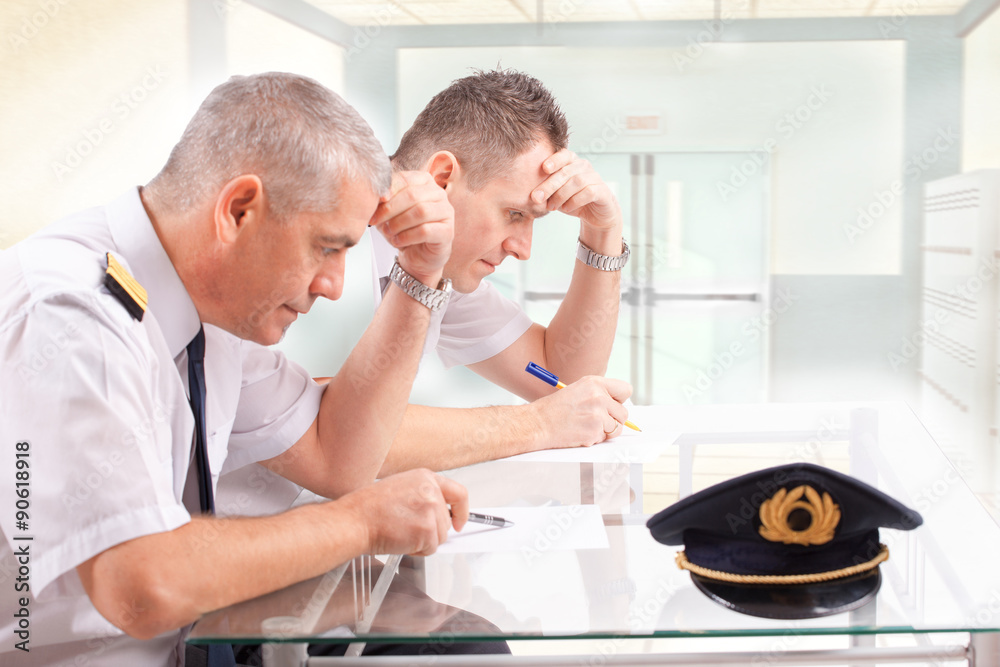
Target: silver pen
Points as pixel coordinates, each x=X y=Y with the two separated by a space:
x=489 y=520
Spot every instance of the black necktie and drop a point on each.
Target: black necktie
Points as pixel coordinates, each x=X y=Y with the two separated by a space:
x=219 y=655
x=196 y=382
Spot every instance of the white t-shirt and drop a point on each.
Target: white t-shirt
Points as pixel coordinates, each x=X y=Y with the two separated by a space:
x=100 y=398
x=471 y=327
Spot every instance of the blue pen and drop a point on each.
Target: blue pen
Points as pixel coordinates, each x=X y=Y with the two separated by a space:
x=549 y=378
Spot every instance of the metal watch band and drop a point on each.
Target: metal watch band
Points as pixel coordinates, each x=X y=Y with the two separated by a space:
x=435 y=299
x=602 y=262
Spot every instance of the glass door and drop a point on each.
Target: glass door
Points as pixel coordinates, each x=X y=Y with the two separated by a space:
x=696 y=305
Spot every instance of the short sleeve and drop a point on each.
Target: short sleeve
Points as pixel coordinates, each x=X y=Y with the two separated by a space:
x=278 y=403
x=479 y=325
x=92 y=413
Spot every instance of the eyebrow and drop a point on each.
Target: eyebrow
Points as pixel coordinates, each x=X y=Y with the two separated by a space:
x=535 y=210
x=342 y=240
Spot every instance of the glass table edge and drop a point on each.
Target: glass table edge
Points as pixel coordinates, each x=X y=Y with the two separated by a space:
x=451 y=637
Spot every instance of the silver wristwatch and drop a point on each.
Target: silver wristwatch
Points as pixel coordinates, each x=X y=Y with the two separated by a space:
x=602 y=262
x=435 y=299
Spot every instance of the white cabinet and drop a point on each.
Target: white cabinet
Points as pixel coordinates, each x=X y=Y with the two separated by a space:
x=959 y=332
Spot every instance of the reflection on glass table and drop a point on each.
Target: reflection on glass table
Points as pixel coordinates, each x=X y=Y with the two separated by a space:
x=940 y=578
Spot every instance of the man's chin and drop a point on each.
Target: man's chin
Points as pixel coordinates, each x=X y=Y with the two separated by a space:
x=261 y=336
x=468 y=282
x=271 y=337
x=465 y=286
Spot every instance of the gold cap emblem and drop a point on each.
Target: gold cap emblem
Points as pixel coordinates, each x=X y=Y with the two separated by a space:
x=788 y=519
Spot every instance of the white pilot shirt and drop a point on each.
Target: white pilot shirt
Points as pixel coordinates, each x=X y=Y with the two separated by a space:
x=100 y=398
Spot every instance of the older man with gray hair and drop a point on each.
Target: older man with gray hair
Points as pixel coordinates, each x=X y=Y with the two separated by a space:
x=164 y=302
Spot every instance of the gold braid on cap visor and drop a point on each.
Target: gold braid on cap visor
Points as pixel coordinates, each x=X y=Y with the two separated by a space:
x=684 y=564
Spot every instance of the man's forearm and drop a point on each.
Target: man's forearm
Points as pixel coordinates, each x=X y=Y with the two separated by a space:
x=161 y=582
x=578 y=340
x=364 y=404
x=446 y=438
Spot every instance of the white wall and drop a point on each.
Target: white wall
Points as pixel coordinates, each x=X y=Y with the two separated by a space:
x=981 y=103
x=259 y=42
x=94 y=95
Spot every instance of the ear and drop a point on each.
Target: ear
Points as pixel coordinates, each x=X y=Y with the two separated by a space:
x=443 y=166
x=239 y=205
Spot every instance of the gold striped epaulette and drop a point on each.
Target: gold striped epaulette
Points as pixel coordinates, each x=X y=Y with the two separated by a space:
x=124 y=288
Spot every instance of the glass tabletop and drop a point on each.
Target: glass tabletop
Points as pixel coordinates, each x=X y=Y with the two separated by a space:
x=940 y=577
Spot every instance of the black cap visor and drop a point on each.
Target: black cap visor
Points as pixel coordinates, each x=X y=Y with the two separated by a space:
x=794 y=601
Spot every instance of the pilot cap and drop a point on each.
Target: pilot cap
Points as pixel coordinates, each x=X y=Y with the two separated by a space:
x=793 y=541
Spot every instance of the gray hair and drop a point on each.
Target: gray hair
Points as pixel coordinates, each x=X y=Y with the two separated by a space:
x=486 y=120
x=301 y=138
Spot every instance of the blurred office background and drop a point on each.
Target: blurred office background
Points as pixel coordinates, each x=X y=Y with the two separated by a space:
x=770 y=156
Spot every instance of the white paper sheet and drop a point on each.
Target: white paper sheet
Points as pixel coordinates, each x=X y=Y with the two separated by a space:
x=561 y=527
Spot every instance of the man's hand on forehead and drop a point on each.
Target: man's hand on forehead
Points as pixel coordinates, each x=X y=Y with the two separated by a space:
x=417 y=219
x=574 y=188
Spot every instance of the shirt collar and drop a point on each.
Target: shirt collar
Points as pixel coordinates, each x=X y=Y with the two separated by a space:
x=147 y=261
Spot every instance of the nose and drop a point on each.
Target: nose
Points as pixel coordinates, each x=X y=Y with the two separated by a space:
x=329 y=280
x=518 y=243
